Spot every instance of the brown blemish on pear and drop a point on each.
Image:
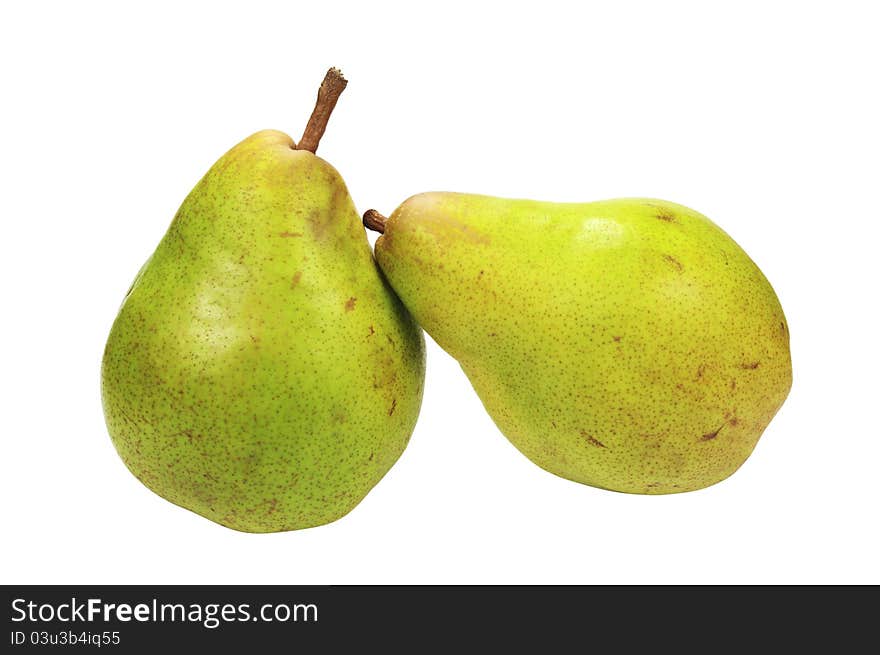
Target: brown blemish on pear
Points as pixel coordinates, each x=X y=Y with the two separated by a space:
x=711 y=435
x=592 y=440
x=675 y=263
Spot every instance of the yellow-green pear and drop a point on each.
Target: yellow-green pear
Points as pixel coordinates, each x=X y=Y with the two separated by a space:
x=627 y=344
x=260 y=372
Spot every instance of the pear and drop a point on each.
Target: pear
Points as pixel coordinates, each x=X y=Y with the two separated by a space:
x=260 y=372
x=628 y=344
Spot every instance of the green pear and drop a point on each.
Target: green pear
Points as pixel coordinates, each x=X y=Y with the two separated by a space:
x=260 y=372
x=628 y=344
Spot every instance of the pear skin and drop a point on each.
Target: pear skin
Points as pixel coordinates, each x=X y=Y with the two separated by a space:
x=626 y=344
x=260 y=371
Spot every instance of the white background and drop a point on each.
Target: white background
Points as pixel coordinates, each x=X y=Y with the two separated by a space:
x=763 y=115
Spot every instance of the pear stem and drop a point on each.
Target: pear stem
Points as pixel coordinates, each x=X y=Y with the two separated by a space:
x=329 y=92
x=373 y=220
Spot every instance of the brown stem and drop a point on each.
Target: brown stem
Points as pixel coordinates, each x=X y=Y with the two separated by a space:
x=331 y=88
x=375 y=221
